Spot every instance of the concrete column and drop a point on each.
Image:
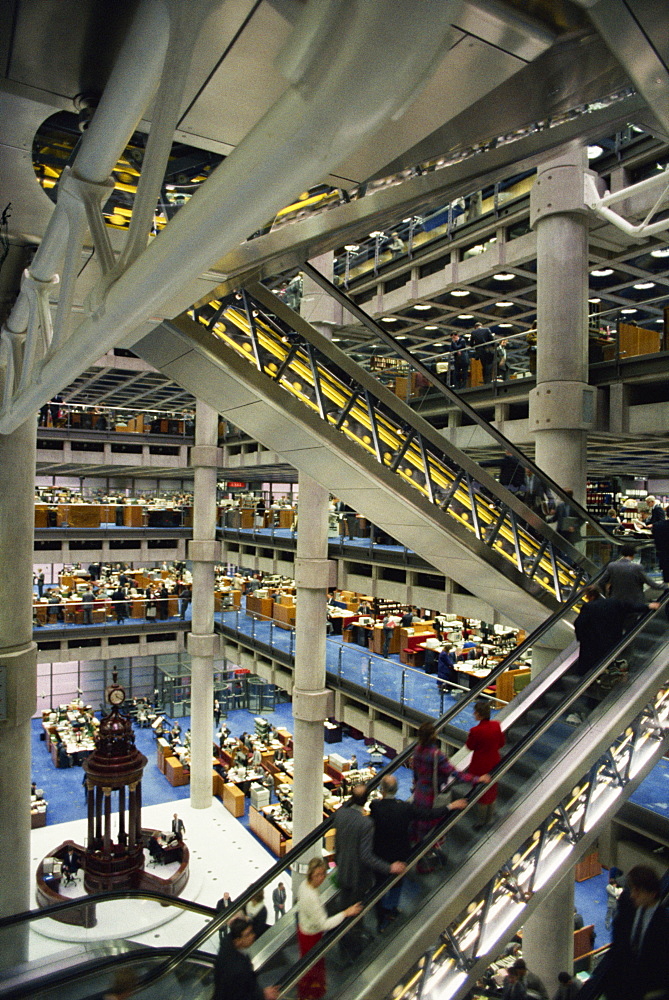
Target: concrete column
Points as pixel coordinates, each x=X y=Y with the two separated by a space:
x=18 y=671
x=548 y=934
x=310 y=697
x=202 y=642
x=562 y=406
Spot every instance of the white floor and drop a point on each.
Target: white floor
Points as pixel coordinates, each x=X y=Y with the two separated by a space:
x=224 y=857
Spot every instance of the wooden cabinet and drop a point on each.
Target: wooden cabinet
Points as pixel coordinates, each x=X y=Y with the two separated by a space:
x=133 y=516
x=588 y=867
x=635 y=340
x=163 y=750
x=233 y=799
x=286 y=515
x=41 y=515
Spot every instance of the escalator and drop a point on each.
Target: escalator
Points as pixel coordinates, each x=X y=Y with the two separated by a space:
x=275 y=377
x=568 y=765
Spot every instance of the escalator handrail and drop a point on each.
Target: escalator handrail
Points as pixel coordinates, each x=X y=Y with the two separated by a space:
x=520 y=748
x=27 y=916
x=453 y=398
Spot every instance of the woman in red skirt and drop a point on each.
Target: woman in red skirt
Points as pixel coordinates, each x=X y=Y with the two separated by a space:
x=486 y=740
x=312 y=921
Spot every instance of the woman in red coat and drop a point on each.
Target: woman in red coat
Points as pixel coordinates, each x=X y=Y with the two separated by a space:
x=486 y=740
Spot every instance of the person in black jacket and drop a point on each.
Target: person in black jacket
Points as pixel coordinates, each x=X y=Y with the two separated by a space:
x=639 y=963
x=234 y=978
x=392 y=840
x=483 y=342
x=600 y=626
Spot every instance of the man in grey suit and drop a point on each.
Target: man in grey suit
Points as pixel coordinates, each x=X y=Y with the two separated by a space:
x=279 y=901
x=357 y=864
x=626 y=578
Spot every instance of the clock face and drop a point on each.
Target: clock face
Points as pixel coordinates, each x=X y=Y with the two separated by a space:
x=116 y=695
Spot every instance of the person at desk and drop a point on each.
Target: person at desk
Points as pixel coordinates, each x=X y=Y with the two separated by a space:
x=446 y=672
x=70 y=862
x=175 y=732
x=156 y=849
x=408 y=617
x=54 y=612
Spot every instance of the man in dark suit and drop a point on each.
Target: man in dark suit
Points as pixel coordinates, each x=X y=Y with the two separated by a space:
x=178 y=827
x=234 y=978
x=600 y=626
x=392 y=820
x=639 y=966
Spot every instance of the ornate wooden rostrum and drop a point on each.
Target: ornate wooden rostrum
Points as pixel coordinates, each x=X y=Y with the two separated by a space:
x=114 y=857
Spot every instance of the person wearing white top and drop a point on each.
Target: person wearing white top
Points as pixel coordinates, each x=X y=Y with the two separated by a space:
x=312 y=922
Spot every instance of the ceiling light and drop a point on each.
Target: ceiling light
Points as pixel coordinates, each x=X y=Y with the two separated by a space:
x=377 y=233
x=641 y=285
x=422 y=305
x=465 y=316
x=431 y=327
x=594 y=300
x=336 y=340
x=628 y=312
x=594 y=152
x=505 y=325
x=602 y=272
x=457 y=292
x=664 y=252
x=351 y=247
x=503 y=305
x=401 y=337
x=389 y=319
x=504 y=276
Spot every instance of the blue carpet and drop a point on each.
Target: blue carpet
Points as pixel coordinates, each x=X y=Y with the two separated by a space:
x=63 y=786
x=590 y=901
x=654 y=792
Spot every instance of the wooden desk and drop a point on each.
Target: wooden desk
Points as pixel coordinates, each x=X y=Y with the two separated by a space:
x=233 y=799
x=377 y=640
x=259 y=606
x=176 y=773
x=270 y=834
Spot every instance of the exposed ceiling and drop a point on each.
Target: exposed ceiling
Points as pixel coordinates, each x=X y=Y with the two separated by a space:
x=514 y=79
